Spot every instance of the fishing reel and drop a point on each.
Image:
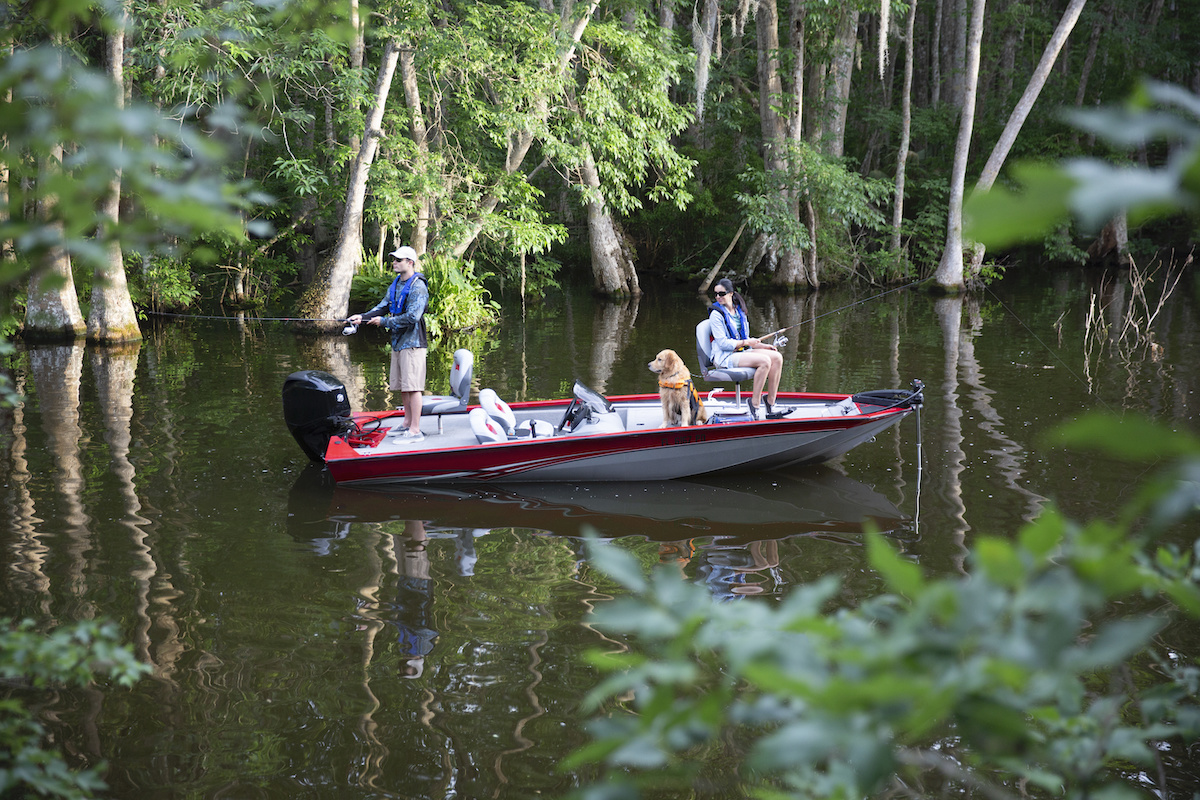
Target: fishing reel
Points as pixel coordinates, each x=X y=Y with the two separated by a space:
x=350 y=329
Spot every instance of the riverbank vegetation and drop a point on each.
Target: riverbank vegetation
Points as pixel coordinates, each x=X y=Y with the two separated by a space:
x=272 y=150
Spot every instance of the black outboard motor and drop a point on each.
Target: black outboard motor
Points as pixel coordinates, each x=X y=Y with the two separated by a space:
x=315 y=407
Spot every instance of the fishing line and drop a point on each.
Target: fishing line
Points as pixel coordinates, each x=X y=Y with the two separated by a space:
x=243 y=319
x=346 y=331
x=784 y=342
x=1049 y=349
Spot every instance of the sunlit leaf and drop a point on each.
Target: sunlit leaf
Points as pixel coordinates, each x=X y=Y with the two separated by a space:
x=1000 y=560
x=1003 y=216
x=903 y=576
x=615 y=563
x=1044 y=535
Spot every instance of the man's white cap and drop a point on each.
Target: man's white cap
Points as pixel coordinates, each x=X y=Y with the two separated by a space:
x=401 y=253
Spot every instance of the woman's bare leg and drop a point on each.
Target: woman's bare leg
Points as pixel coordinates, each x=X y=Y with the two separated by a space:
x=775 y=360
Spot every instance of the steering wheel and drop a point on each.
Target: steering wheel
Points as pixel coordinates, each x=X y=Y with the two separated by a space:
x=576 y=413
x=570 y=412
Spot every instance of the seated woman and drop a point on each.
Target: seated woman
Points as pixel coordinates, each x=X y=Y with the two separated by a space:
x=733 y=346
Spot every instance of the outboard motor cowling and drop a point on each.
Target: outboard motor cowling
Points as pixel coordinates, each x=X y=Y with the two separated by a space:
x=315 y=408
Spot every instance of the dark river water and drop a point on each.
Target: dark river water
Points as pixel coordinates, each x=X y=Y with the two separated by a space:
x=317 y=642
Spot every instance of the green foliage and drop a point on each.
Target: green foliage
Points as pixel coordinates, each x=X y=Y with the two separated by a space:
x=458 y=300
x=72 y=655
x=626 y=116
x=1060 y=247
x=925 y=230
x=9 y=396
x=457 y=294
x=1092 y=190
x=977 y=681
x=845 y=201
x=171 y=169
x=161 y=283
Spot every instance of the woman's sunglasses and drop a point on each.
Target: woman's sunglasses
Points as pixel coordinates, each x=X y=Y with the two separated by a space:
x=720 y=294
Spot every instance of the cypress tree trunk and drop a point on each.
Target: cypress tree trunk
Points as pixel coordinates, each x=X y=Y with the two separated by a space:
x=613 y=272
x=949 y=275
x=52 y=309
x=112 y=317
x=420 y=134
x=905 y=126
x=1022 y=110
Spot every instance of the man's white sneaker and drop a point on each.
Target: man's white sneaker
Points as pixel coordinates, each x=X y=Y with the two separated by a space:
x=409 y=436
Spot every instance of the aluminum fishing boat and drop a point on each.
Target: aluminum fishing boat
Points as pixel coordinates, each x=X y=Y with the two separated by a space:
x=583 y=438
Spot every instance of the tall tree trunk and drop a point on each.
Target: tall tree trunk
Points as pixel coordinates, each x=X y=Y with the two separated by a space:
x=420 y=134
x=7 y=253
x=358 y=49
x=328 y=296
x=613 y=273
x=949 y=275
x=905 y=125
x=1022 y=110
x=959 y=47
x=796 y=42
x=52 y=309
x=787 y=263
x=935 y=55
x=844 y=50
x=666 y=14
x=112 y=317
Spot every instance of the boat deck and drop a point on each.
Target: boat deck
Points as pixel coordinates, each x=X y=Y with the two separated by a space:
x=454 y=431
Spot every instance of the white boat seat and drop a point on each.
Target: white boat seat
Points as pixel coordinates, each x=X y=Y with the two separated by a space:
x=486 y=431
x=502 y=415
x=461 y=374
x=712 y=373
x=498 y=410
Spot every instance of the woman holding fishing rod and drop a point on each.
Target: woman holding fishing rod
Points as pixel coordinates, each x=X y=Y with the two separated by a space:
x=733 y=346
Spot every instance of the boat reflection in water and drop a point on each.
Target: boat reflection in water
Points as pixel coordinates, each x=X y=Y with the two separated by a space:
x=728 y=529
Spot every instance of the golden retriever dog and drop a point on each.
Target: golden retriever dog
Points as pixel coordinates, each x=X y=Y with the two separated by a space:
x=681 y=405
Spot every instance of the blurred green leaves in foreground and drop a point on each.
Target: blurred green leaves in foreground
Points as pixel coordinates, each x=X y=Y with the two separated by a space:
x=71 y=655
x=1041 y=670
x=1042 y=196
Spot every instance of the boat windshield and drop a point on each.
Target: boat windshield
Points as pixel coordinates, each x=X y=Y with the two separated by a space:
x=597 y=402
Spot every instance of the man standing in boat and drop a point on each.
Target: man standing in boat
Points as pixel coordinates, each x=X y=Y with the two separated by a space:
x=405 y=303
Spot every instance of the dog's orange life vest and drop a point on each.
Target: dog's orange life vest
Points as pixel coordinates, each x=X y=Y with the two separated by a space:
x=693 y=395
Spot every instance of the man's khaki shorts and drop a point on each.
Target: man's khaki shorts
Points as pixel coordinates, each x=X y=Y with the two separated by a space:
x=408 y=370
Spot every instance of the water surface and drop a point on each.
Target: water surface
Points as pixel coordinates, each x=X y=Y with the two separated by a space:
x=313 y=641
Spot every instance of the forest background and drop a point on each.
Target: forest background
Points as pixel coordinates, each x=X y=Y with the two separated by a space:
x=264 y=153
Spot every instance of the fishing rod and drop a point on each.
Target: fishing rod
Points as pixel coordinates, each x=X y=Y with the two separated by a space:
x=349 y=329
x=783 y=340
